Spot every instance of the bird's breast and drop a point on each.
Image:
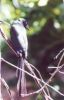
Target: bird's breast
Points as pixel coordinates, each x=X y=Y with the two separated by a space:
x=20 y=38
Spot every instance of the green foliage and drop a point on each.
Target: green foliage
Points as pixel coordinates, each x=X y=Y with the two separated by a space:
x=37 y=12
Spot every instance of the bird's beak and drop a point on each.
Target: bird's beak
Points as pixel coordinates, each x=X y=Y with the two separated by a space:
x=27 y=27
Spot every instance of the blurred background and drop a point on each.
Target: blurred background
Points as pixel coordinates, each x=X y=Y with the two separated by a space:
x=45 y=38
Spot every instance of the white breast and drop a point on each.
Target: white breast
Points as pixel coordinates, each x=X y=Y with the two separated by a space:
x=22 y=37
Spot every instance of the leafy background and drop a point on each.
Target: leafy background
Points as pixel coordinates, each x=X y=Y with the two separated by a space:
x=45 y=37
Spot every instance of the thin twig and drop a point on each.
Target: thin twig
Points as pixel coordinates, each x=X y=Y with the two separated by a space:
x=40 y=77
x=39 y=84
x=53 y=74
x=38 y=91
x=59 y=54
x=5 y=38
x=7 y=87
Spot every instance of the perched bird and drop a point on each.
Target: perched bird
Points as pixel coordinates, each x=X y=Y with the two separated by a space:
x=19 y=43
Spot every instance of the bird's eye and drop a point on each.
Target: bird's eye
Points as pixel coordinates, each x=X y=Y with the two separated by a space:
x=25 y=23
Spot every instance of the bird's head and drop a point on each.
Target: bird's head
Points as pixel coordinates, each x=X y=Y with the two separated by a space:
x=22 y=22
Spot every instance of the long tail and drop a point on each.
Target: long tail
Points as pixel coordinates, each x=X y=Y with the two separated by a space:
x=21 y=85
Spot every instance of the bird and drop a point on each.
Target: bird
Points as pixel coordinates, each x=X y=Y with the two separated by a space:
x=19 y=42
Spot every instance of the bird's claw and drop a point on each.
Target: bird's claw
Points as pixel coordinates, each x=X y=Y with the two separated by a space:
x=19 y=53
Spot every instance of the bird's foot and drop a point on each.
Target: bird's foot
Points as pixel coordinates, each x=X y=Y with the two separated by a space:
x=19 y=53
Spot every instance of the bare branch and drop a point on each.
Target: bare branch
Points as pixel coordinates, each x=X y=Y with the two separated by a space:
x=45 y=83
x=7 y=87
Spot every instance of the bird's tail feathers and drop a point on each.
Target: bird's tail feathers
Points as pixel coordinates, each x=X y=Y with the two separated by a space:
x=21 y=85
